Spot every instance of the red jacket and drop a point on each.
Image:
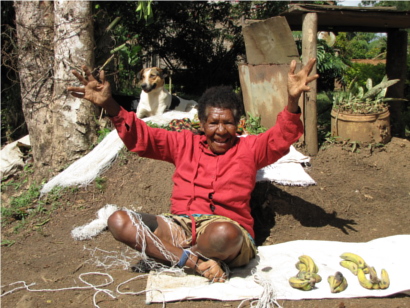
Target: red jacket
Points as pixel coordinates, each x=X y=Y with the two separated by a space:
x=205 y=183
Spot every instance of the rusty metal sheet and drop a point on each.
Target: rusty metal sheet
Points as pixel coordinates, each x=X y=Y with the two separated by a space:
x=264 y=90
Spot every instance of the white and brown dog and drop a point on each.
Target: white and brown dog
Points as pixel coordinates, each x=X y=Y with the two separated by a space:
x=155 y=99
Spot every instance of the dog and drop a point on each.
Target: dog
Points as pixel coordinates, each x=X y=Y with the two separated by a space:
x=155 y=99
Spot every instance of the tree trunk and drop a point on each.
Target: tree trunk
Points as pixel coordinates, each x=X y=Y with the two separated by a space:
x=34 y=25
x=74 y=122
x=54 y=38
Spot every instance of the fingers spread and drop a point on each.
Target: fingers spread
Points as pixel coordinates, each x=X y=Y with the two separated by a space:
x=76 y=89
x=102 y=76
x=292 y=67
x=79 y=77
x=78 y=95
x=87 y=72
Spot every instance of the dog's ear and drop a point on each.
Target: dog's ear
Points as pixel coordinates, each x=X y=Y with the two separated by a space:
x=139 y=75
x=162 y=73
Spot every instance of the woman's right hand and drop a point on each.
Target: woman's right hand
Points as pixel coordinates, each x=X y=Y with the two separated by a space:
x=97 y=92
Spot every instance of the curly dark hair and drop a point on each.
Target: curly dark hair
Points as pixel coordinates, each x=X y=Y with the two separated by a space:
x=220 y=97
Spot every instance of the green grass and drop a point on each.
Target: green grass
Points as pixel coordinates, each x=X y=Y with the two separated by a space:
x=20 y=205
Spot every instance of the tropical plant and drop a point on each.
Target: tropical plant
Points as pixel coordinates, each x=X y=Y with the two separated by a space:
x=357 y=100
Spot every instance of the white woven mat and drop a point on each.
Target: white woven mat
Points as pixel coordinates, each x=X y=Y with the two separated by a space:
x=276 y=263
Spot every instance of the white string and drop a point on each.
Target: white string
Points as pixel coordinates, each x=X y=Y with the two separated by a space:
x=90 y=286
x=140 y=292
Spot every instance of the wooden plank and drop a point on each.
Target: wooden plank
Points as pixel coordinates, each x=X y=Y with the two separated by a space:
x=309 y=47
x=264 y=90
x=357 y=19
x=269 y=41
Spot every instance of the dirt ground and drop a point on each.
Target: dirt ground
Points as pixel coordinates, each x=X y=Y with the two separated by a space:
x=360 y=196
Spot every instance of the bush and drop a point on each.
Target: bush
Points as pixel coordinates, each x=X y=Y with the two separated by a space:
x=360 y=72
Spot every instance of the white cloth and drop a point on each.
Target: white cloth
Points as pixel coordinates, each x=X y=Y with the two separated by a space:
x=276 y=264
x=83 y=171
x=287 y=170
x=11 y=158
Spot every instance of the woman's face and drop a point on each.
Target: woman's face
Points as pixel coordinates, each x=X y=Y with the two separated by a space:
x=220 y=129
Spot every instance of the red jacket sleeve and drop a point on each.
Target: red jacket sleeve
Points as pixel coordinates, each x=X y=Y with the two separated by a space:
x=149 y=142
x=275 y=142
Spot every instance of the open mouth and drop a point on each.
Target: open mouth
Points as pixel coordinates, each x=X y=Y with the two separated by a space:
x=221 y=142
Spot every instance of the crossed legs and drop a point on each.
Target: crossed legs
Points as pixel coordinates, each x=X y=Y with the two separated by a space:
x=220 y=241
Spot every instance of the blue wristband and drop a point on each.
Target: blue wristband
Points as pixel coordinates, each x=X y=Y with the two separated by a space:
x=184 y=257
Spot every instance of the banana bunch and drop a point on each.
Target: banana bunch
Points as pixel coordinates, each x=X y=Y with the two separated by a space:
x=358 y=267
x=307 y=276
x=338 y=282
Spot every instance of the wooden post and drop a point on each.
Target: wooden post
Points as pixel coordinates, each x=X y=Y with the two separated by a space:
x=396 y=69
x=309 y=50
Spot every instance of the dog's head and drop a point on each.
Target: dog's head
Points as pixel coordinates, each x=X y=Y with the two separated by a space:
x=151 y=78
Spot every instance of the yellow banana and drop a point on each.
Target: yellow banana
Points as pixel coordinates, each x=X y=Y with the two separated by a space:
x=310 y=264
x=376 y=286
x=373 y=275
x=316 y=277
x=364 y=282
x=302 y=284
x=301 y=266
x=354 y=258
x=341 y=287
x=385 y=280
x=337 y=282
x=350 y=265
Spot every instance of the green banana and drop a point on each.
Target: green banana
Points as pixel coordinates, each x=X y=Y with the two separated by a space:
x=301 y=266
x=304 y=275
x=302 y=284
x=350 y=265
x=307 y=287
x=310 y=264
x=385 y=280
x=337 y=282
x=364 y=282
x=354 y=258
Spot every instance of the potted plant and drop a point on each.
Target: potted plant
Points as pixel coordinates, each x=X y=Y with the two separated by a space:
x=362 y=115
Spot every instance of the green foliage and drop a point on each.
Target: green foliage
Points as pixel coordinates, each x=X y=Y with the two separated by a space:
x=400 y=5
x=361 y=72
x=200 y=42
x=359 y=101
x=330 y=67
x=145 y=10
x=253 y=125
x=102 y=133
x=361 y=45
